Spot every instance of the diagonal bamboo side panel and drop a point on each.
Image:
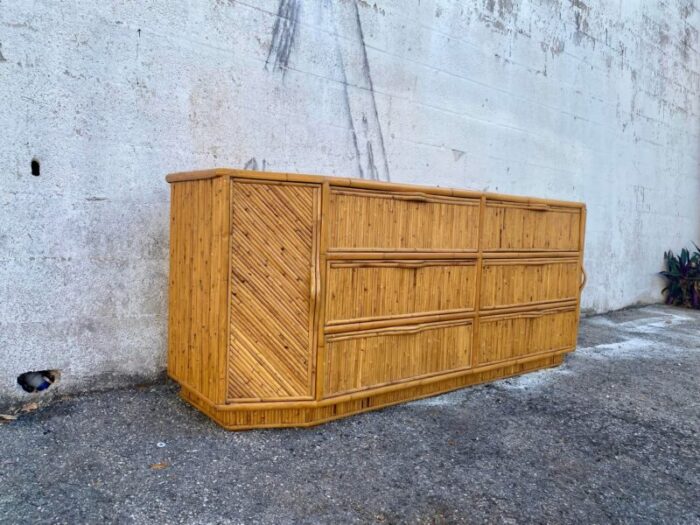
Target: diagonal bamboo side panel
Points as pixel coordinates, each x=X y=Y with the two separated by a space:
x=272 y=307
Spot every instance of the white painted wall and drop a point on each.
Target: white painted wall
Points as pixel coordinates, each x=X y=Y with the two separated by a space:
x=594 y=101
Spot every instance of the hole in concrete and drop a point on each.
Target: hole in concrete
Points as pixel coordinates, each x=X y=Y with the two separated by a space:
x=38 y=381
x=36 y=168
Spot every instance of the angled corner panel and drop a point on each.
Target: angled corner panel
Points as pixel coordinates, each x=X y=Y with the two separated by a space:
x=273 y=266
x=198 y=286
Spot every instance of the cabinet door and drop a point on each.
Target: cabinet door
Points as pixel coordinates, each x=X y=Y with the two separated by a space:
x=273 y=268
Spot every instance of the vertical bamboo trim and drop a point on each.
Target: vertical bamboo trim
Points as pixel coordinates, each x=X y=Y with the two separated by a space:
x=225 y=350
x=582 y=244
x=479 y=272
x=315 y=291
x=323 y=288
x=173 y=282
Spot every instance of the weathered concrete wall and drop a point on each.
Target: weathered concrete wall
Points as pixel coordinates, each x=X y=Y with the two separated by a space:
x=594 y=101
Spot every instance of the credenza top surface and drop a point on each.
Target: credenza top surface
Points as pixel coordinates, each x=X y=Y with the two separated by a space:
x=363 y=184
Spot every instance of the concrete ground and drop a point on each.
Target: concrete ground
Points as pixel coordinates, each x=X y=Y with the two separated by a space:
x=613 y=435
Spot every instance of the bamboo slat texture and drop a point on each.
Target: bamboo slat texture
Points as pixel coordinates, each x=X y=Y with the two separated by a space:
x=298 y=299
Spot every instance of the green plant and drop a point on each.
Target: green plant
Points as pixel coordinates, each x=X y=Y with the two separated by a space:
x=683 y=275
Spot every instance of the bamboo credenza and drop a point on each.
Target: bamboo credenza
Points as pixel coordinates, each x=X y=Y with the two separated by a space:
x=297 y=299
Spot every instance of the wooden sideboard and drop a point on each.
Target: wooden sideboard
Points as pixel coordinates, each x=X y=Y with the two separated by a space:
x=298 y=299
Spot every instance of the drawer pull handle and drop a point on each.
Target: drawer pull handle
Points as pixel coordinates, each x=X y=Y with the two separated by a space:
x=584 y=278
x=414 y=197
x=403 y=264
x=533 y=315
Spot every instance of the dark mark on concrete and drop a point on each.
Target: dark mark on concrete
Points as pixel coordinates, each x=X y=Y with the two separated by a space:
x=346 y=95
x=685 y=43
x=555 y=47
x=368 y=78
x=505 y=7
x=283 y=33
x=359 y=95
x=457 y=154
x=685 y=9
x=252 y=164
x=370 y=162
x=581 y=12
x=2 y=58
x=96 y=199
x=500 y=11
x=365 y=3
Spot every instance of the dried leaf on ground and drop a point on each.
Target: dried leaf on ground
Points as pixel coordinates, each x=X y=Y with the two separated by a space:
x=7 y=417
x=159 y=466
x=30 y=407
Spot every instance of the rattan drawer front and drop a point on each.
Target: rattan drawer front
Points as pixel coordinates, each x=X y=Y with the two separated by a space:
x=379 y=357
x=518 y=282
x=371 y=290
x=519 y=335
x=400 y=221
x=521 y=227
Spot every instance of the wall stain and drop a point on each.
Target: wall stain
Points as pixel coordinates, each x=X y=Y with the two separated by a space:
x=2 y=58
x=348 y=107
x=283 y=33
x=373 y=174
x=365 y=3
x=368 y=77
x=252 y=164
x=498 y=13
x=359 y=95
x=555 y=47
x=581 y=12
x=685 y=9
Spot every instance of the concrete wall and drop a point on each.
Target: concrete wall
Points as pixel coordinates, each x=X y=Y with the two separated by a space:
x=594 y=101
